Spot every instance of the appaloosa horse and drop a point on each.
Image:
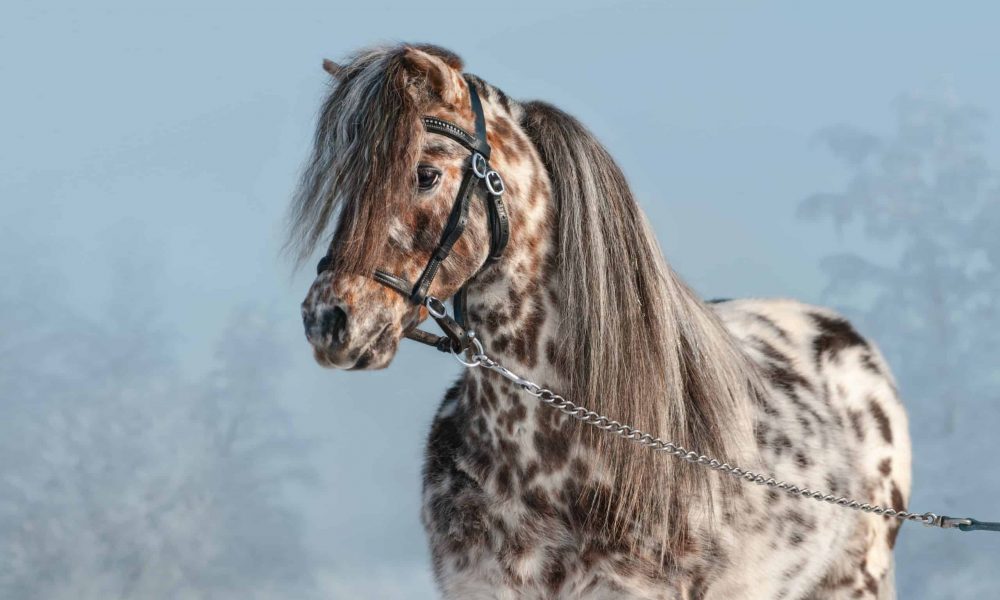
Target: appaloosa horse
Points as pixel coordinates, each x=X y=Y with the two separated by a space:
x=446 y=186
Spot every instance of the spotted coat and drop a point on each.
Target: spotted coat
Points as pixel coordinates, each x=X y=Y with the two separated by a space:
x=502 y=481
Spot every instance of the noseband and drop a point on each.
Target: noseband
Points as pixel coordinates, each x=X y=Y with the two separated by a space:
x=477 y=173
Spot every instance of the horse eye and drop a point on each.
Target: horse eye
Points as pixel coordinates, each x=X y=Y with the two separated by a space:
x=427 y=178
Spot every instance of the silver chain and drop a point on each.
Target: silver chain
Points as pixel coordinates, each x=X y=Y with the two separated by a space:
x=479 y=358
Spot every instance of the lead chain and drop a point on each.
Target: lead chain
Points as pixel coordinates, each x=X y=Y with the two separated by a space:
x=581 y=413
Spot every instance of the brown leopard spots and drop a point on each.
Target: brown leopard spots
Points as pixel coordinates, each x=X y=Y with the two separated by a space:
x=897 y=498
x=835 y=335
x=537 y=501
x=856 y=424
x=760 y=434
x=768 y=350
x=898 y=504
x=806 y=424
x=499 y=135
x=501 y=343
x=768 y=408
x=503 y=481
x=881 y=420
x=870 y=583
x=835 y=485
x=772 y=326
x=509 y=418
x=787 y=379
x=551 y=352
x=869 y=364
x=495 y=319
x=804 y=523
x=553 y=450
x=885 y=467
x=480 y=427
x=548 y=422
x=554 y=575
x=831 y=583
x=781 y=443
x=699 y=587
x=525 y=345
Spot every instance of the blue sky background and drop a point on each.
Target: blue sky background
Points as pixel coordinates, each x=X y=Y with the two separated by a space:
x=177 y=130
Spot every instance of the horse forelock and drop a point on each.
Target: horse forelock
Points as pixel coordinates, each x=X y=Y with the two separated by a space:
x=364 y=156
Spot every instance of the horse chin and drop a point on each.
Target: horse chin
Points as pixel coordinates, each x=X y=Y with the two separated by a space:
x=371 y=361
x=374 y=355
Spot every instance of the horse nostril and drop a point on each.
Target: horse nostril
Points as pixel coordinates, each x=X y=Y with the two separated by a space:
x=325 y=325
x=333 y=323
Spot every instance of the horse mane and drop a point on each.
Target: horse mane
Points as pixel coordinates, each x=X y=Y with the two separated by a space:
x=364 y=155
x=639 y=345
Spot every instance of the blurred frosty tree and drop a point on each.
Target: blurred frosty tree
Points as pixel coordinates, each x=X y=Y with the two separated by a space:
x=928 y=191
x=926 y=196
x=118 y=479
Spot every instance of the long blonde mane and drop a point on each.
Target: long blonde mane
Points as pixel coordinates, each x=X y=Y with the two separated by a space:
x=641 y=347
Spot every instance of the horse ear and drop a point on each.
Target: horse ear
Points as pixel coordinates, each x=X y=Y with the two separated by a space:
x=332 y=68
x=442 y=78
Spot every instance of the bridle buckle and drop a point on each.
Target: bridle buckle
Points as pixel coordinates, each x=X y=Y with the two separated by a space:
x=479 y=165
x=494 y=183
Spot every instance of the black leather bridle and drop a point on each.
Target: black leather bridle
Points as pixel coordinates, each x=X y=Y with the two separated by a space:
x=477 y=173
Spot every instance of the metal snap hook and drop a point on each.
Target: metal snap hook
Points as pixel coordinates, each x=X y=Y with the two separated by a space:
x=476 y=360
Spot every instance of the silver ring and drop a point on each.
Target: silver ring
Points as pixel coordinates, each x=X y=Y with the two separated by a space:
x=475 y=359
x=479 y=165
x=435 y=307
x=494 y=183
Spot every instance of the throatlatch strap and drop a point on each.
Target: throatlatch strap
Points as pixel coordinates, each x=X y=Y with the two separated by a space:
x=460 y=306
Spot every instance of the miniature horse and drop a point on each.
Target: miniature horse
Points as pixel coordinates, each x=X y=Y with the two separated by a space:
x=520 y=501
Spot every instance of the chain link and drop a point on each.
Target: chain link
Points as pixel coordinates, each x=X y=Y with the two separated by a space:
x=632 y=434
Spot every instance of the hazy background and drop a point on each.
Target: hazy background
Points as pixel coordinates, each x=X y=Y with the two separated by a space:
x=164 y=432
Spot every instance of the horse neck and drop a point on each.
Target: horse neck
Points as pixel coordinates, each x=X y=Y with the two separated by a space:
x=514 y=311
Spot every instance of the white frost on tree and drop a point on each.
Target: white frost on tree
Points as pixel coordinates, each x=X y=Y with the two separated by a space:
x=121 y=479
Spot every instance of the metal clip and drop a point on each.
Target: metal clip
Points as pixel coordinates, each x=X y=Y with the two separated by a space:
x=945 y=522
